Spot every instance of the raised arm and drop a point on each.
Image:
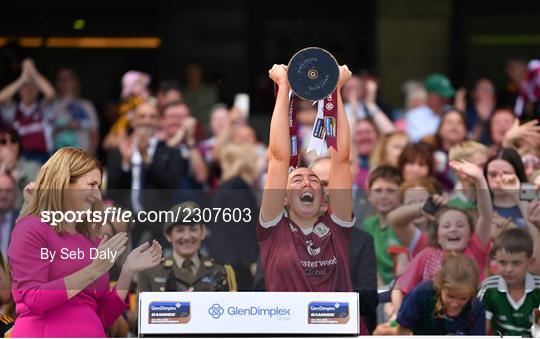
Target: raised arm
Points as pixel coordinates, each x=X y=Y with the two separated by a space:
x=401 y=218
x=7 y=93
x=483 y=198
x=534 y=228
x=279 y=150
x=41 y=82
x=340 y=184
x=383 y=123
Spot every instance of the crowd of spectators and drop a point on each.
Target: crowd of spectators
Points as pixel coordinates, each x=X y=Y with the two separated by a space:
x=466 y=153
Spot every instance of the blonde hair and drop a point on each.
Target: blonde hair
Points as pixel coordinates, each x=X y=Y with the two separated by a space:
x=458 y=272
x=237 y=160
x=378 y=155
x=415 y=94
x=65 y=166
x=523 y=151
x=429 y=184
x=464 y=150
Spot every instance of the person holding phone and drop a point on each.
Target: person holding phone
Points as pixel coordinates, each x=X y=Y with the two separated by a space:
x=59 y=287
x=454 y=231
x=412 y=221
x=293 y=236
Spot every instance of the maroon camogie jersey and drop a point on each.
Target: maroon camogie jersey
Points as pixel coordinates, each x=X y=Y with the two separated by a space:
x=297 y=262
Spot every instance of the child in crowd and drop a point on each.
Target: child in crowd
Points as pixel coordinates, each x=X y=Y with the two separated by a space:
x=383 y=194
x=454 y=231
x=535 y=328
x=411 y=229
x=511 y=297
x=505 y=173
x=464 y=194
x=447 y=305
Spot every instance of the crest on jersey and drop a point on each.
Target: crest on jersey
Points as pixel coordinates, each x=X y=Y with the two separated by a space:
x=311 y=250
x=321 y=229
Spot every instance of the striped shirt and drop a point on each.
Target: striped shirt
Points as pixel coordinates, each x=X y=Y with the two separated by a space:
x=508 y=316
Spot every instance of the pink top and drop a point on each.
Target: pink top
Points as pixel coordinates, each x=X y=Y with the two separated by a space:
x=427 y=263
x=39 y=291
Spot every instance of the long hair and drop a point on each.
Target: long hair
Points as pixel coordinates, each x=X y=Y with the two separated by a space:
x=458 y=272
x=379 y=154
x=512 y=157
x=237 y=160
x=50 y=194
x=437 y=140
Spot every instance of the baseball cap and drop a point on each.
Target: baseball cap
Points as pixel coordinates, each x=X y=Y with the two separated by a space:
x=439 y=84
x=183 y=214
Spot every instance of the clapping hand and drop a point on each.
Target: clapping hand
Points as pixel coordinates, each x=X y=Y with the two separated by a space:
x=189 y=126
x=144 y=257
x=115 y=245
x=126 y=149
x=28 y=69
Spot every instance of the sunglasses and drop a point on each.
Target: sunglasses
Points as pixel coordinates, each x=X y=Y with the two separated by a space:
x=5 y=141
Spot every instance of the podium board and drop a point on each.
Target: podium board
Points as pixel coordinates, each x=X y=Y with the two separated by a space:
x=248 y=314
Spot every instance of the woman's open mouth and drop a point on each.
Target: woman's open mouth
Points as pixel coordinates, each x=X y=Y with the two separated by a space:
x=307 y=197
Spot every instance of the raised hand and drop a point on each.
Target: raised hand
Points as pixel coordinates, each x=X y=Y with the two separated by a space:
x=533 y=210
x=28 y=190
x=190 y=124
x=126 y=148
x=28 y=69
x=500 y=224
x=144 y=257
x=460 y=101
x=509 y=182
x=528 y=132
x=344 y=75
x=371 y=91
x=467 y=169
x=278 y=74
x=484 y=109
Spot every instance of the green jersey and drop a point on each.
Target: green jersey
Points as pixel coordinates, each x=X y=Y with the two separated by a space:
x=507 y=316
x=383 y=239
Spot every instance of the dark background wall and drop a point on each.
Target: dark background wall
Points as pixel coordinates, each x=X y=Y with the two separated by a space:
x=237 y=41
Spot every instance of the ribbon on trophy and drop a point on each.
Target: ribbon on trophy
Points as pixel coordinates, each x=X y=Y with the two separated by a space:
x=293 y=130
x=324 y=132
